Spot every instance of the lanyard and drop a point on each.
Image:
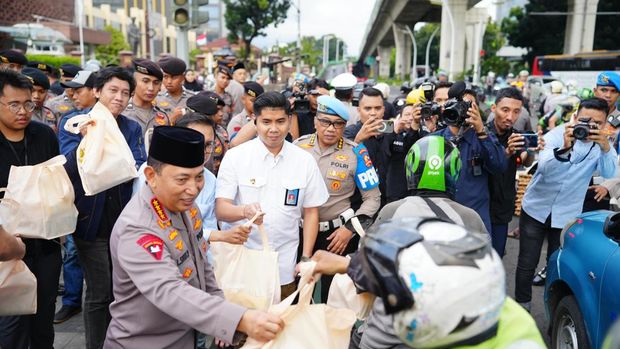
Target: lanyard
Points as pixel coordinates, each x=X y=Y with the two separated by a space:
x=19 y=160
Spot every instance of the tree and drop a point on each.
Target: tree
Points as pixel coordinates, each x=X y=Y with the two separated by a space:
x=247 y=19
x=108 y=54
x=422 y=36
x=492 y=41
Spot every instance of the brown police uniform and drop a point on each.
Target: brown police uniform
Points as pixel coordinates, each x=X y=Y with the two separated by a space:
x=45 y=115
x=167 y=103
x=147 y=118
x=60 y=105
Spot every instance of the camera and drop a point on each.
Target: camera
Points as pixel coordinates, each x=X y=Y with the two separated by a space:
x=429 y=108
x=455 y=111
x=581 y=131
x=302 y=104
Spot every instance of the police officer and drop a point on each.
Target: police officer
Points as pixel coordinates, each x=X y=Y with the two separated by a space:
x=211 y=104
x=175 y=97
x=344 y=166
x=222 y=81
x=63 y=104
x=51 y=73
x=344 y=84
x=40 y=86
x=12 y=59
x=252 y=90
x=142 y=107
x=164 y=287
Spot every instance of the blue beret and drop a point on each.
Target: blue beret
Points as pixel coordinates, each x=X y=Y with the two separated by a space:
x=608 y=78
x=332 y=106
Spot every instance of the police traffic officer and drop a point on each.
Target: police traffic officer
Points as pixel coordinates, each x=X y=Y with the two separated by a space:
x=40 y=86
x=344 y=166
x=164 y=287
x=251 y=90
x=175 y=96
x=344 y=84
x=12 y=59
x=142 y=107
x=63 y=104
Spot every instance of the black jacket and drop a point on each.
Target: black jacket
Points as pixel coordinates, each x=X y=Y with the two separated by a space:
x=502 y=191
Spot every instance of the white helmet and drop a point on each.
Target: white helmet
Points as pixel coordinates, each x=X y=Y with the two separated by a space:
x=556 y=86
x=454 y=278
x=384 y=88
x=344 y=81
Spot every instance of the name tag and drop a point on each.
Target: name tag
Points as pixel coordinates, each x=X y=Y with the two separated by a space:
x=292 y=197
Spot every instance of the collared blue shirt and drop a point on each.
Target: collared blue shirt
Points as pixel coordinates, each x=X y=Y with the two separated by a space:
x=473 y=191
x=205 y=200
x=560 y=183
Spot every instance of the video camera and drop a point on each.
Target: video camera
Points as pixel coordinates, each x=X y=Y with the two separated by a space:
x=455 y=109
x=429 y=108
x=302 y=104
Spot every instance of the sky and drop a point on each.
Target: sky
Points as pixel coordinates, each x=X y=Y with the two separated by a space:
x=346 y=19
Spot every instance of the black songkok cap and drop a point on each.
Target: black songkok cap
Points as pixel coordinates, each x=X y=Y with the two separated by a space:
x=253 y=88
x=172 y=65
x=148 y=67
x=178 y=146
x=238 y=66
x=13 y=56
x=37 y=77
x=203 y=103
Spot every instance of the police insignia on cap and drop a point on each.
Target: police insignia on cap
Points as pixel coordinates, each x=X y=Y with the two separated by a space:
x=30 y=79
x=142 y=69
x=41 y=66
x=322 y=108
x=251 y=93
x=604 y=78
x=4 y=59
x=61 y=72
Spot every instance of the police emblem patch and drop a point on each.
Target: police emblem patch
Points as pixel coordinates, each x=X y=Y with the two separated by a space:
x=152 y=244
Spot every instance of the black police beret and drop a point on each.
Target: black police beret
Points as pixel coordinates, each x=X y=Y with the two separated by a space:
x=69 y=70
x=44 y=67
x=178 y=146
x=223 y=69
x=172 y=65
x=203 y=103
x=37 y=77
x=148 y=67
x=13 y=56
x=220 y=100
x=253 y=88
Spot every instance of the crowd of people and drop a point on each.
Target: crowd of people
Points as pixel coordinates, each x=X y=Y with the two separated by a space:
x=411 y=198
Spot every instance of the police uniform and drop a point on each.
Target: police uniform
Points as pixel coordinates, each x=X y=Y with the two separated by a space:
x=344 y=167
x=166 y=102
x=11 y=56
x=42 y=114
x=152 y=116
x=164 y=287
x=49 y=71
x=62 y=104
x=252 y=89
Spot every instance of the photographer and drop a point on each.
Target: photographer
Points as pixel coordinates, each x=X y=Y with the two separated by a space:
x=507 y=110
x=302 y=122
x=481 y=153
x=573 y=152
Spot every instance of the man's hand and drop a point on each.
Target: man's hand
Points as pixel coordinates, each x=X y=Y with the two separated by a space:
x=541 y=141
x=474 y=119
x=417 y=118
x=238 y=235
x=339 y=240
x=260 y=325
x=250 y=210
x=328 y=263
x=600 y=137
x=403 y=124
x=175 y=115
x=600 y=192
x=369 y=129
x=515 y=142
x=569 y=139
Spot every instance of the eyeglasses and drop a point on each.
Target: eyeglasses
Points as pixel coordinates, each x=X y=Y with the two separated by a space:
x=15 y=107
x=327 y=123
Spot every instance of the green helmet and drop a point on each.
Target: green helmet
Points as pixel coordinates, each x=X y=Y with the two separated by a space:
x=433 y=163
x=585 y=93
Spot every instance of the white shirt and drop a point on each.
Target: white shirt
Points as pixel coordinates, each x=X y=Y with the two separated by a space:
x=283 y=185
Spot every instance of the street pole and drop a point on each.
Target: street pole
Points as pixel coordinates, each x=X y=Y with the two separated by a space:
x=147 y=29
x=299 y=36
x=326 y=50
x=452 y=43
x=80 y=21
x=414 y=70
x=182 y=44
x=428 y=52
x=337 y=48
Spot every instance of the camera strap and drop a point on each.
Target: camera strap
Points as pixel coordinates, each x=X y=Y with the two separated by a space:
x=585 y=157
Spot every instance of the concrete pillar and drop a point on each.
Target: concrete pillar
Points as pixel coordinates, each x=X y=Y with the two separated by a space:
x=447 y=58
x=580 y=25
x=384 y=61
x=403 y=45
x=476 y=24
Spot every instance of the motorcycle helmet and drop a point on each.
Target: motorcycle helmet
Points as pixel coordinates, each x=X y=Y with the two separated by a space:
x=433 y=163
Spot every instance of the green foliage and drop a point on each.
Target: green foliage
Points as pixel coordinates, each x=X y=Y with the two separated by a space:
x=422 y=37
x=108 y=54
x=247 y=19
x=541 y=35
x=55 y=61
x=192 y=56
x=492 y=41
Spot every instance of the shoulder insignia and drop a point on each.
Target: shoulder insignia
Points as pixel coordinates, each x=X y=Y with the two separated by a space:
x=152 y=244
x=159 y=211
x=173 y=234
x=305 y=145
x=64 y=108
x=197 y=224
x=193 y=212
x=187 y=272
x=164 y=104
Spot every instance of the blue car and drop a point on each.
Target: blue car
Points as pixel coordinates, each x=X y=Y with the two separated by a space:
x=583 y=281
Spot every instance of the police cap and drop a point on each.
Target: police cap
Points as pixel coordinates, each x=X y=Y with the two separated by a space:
x=148 y=67
x=253 y=88
x=203 y=103
x=344 y=81
x=13 y=56
x=172 y=65
x=42 y=66
x=332 y=106
x=608 y=78
x=37 y=77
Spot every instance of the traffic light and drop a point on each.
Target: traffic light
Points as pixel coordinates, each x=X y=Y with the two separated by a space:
x=180 y=13
x=198 y=16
